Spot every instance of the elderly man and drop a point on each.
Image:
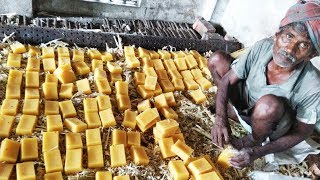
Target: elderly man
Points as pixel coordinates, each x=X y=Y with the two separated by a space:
x=273 y=89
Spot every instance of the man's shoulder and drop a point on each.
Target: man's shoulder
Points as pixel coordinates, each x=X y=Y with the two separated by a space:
x=263 y=46
x=310 y=81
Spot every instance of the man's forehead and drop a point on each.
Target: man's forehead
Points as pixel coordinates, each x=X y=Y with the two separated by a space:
x=303 y=35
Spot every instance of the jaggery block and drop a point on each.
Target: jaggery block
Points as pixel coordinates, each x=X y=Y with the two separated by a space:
x=118 y=137
x=31 y=106
x=31 y=93
x=25 y=171
x=73 y=161
x=49 y=65
x=182 y=150
x=103 y=86
x=165 y=145
x=81 y=68
x=67 y=109
x=33 y=64
x=117 y=155
x=66 y=91
x=93 y=137
x=83 y=85
x=51 y=107
x=13 y=91
x=94 y=54
x=29 y=149
x=198 y=96
x=26 y=125
x=18 y=48
x=139 y=155
x=103 y=102
x=178 y=170
x=50 y=141
x=14 y=60
x=53 y=176
x=9 y=107
x=95 y=156
x=52 y=161
x=73 y=141
x=90 y=105
x=50 y=90
x=5 y=170
x=9 y=151
x=143 y=105
x=54 y=123
x=139 y=78
x=133 y=138
x=92 y=119
x=75 y=125
x=107 y=118
x=6 y=123
x=77 y=55
x=47 y=52
x=103 y=175
x=129 y=119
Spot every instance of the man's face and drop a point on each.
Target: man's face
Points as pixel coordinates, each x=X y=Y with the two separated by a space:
x=291 y=48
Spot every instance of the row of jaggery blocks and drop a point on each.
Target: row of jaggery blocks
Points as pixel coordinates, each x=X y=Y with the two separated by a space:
x=122 y=95
x=24 y=170
x=107 y=175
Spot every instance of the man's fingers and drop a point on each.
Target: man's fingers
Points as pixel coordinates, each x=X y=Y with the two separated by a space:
x=226 y=135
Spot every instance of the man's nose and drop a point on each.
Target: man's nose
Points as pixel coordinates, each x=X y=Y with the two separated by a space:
x=291 y=47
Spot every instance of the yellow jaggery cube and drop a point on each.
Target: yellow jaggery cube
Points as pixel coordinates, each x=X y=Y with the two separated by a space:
x=26 y=125
x=95 y=156
x=32 y=93
x=118 y=155
x=165 y=147
x=150 y=72
x=52 y=161
x=99 y=74
x=53 y=176
x=81 y=68
x=191 y=61
x=129 y=51
x=121 y=87
x=195 y=53
x=204 y=83
x=9 y=151
x=29 y=149
x=50 y=141
x=169 y=64
x=18 y=48
x=199 y=166
x=66 y=91
x=94 y=54
x=133 y=138
x=123 y=102
x=147 y=119
x=162 y=74
x=223 y=158
x=67 y=109
x=190 y=84
x=160 y=101
x=206 y=71
x=73 y=161
x=139 y=155
x=77 y=55
x=33 y=64
x=103 y=86
x=157 y=64
x=47 y=52
x=113 y=67
x=158 y=90
x=103 y=102
x=181 y=64
x=143 y=92
x=63 y=52
x=96 y=63
x=73 y=141
x=63 y=60
x=182 y=150
x=51 y=107
x=106 y=56
x=65 y=74
x=166 y=85
x=174 y=74
x=54 y=123
x=83 y=85
x=209 y=176
x=9 y=107
x=31 y=106
x=51 y=78
x=198 y=96
x=49 y=65
x=196 y=73
x=25 y=171
x=115 y=77
x=93 y=137
x=169 y=113
x=177 y=136
x=103 y=175
x=6 y=123
x=153 y=54
x=164 y=54
x=132 y=62
x=13 y=91
x=75 y=125
x=150 y=83
x=202 y=62
x=177 y=54
x=178 y=170
x=90 y=105
x=107 y=118
x=5 y=170
x=118 y=137
x=170 y=98
x=146 y=63
x=123 y=177
x=178 y=84
x=139 y=78
x=14 y=60
x=15 y=77
x=186 y=74
x=50 y=90
x=143 y=105
x=92 y=119
x=167 y=127
x=129 y=119
x=143 y=52
x=33 y=51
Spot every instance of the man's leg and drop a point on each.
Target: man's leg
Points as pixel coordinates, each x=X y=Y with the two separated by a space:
x=266 y=115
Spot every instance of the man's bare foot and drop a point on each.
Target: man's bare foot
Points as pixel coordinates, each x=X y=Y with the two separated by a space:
x=245 y=142
x=313 y=162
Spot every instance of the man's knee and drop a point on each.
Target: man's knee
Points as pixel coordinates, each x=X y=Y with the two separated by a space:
x=220 y=61
x=269 y=107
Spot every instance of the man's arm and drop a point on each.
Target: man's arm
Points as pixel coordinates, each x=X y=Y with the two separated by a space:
x=219 y=131
x=297 y=134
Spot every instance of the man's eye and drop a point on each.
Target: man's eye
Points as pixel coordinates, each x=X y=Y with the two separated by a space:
x=304 y=45
x=289 y=36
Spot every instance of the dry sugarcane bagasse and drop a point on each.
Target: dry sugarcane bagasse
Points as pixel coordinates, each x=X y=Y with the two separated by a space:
x=126 y=113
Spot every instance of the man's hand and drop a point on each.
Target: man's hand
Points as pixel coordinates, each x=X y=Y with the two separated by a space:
x=220 y=133
x=243 y=159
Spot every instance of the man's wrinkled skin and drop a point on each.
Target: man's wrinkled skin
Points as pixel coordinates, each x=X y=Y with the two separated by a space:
x=291 y=48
